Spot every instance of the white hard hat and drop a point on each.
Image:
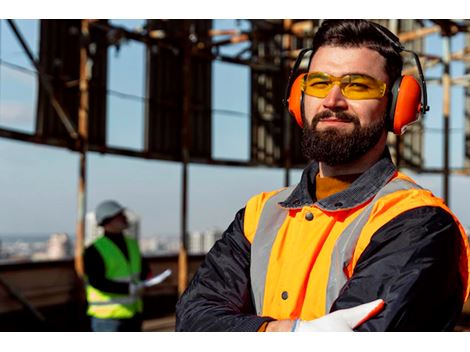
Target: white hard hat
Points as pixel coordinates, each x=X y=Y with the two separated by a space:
x=106 y=210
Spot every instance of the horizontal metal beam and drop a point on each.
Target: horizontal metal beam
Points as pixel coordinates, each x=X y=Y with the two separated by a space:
x=453 y=171
x=25 y=137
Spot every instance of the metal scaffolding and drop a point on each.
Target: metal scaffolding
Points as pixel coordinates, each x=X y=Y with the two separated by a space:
x=72 y=109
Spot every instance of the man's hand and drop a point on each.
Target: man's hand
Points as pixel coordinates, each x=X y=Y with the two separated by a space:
x=136 y=289
x=341 y=320
x=280 y=325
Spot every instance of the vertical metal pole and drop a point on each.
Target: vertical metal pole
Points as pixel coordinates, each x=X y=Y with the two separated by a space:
x=287 y=150
x=183 y=253
x=446 y=87
x=397 y=150
x=286 y=45
x=83 y=137
x=393 y=25
x=186 y=81
x=467 y=111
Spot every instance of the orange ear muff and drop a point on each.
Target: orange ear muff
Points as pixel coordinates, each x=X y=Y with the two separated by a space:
x=406 y=104
x=295 y=100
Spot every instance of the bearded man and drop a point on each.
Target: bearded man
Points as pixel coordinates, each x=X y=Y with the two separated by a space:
x=355 y=245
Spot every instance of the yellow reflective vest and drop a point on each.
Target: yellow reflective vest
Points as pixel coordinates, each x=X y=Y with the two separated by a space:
x=108 y=305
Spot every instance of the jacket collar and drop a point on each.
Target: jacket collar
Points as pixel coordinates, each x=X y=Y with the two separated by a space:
x=360 y=191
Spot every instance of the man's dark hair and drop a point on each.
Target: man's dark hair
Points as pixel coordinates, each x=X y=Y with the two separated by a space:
x=361 y=33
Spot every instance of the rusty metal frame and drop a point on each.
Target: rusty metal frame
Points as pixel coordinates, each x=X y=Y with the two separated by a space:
x=68 y=123
x=291 y=31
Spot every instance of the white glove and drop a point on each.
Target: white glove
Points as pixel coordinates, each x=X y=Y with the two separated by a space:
x=136 y=289
x=344 y=320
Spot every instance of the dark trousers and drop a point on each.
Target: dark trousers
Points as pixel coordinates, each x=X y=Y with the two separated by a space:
x=110 y=325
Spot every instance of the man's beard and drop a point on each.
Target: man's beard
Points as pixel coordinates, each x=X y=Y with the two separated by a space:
x=335 y=147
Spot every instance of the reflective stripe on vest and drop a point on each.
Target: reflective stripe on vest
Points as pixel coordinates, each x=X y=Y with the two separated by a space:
x=346 y=243
x=117 y=300
x=111 y=306
x=271 y=219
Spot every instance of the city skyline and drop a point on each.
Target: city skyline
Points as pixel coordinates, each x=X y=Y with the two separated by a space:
x=59 y=246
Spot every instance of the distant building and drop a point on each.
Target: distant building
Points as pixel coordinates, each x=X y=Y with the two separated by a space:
x=195 y=243
x=148 y=245
x=159 y=244
x=200 y=242
x=171 y=245
x=209 y=239
x=59 y=246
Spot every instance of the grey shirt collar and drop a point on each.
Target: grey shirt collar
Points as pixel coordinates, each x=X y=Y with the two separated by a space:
x=360 y=191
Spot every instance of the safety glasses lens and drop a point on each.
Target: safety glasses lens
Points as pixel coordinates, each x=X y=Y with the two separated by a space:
x=319 y=84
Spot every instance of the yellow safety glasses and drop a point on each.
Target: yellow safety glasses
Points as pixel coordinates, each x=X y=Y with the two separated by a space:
x=353 y=86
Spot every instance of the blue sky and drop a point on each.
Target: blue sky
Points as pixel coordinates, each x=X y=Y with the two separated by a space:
x=38 y=184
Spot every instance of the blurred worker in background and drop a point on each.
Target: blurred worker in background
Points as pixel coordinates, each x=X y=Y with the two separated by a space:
x=354 y=230
x=114 y=272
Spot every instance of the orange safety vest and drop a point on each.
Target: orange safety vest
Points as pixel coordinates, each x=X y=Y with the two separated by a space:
x=312 y=268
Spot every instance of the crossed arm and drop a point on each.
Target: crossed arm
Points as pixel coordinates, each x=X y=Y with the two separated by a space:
x=411 y=263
